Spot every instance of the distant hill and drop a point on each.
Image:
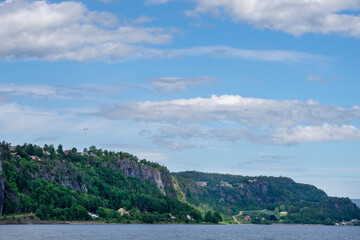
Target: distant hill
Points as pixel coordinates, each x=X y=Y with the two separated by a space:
x=356 y=201
x=230 y=194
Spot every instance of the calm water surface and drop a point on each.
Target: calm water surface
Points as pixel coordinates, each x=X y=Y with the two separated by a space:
x=197 y=232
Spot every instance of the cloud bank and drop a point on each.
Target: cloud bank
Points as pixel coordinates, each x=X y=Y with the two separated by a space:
x=253 y=119
x=295 y=17
x=70 y=31
x=40 y=30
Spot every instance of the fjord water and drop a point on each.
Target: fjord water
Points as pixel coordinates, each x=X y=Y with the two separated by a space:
x=198 y=232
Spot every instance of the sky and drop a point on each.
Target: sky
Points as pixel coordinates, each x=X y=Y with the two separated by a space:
x=243 y=87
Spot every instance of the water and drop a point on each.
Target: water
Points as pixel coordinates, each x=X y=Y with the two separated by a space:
x=166 y=232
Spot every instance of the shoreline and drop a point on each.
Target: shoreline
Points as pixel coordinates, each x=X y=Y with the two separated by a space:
x=104 y=223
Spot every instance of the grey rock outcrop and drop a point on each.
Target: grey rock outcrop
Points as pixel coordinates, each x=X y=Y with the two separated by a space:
x=134 y=169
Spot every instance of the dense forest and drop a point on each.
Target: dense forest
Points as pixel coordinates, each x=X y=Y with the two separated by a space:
x=99 y=185
x=65 y=185
x=265 y=198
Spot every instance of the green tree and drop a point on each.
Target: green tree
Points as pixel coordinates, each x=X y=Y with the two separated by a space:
x=217 y=217
x=60 y=150
x=208 y=216
x=276 y=211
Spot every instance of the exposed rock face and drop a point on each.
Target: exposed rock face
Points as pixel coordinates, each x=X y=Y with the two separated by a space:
x=134 y=169
x=1 y=188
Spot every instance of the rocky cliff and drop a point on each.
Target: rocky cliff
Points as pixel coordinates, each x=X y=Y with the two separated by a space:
x=129 y=167
x=134 y=169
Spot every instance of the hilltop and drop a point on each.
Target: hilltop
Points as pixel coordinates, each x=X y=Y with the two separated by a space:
x=95 y=184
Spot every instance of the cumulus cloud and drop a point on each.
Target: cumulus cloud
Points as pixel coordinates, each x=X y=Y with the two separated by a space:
x=321 y=133
x=256 y=120
x=295 y=17
x=247 y=111
x=172 y=84
x=68 y=30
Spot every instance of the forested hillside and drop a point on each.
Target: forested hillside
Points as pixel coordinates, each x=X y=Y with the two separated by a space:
x=67 y=185
x=94 y=184
x=300 y=203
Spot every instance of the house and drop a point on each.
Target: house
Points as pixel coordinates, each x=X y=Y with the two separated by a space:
x=225 y=184
x=283 y=213
x=123 y=211
x=12 y=148
x=203 y=184
x=34 y=157
x=46 y=152
x=67 y=152
x=247 y=218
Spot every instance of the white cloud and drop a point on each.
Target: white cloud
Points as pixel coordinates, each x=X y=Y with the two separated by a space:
x=247 y=111
x=256 y=120
x=60 y=92
x=321 y=133
x=16 y=118
x=311 y=78
x=68 y=30
x=295 y=17
x=172 y=84
x=231 y=53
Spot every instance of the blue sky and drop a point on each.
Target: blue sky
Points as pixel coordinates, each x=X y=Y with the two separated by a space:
x=245 y=87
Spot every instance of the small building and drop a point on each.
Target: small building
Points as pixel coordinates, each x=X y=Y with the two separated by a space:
x=123 y=211
x=225 y=184
x=247 y=218
x=203 y=184
x=66 y=152
x=34 y=157
x=283 y=213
